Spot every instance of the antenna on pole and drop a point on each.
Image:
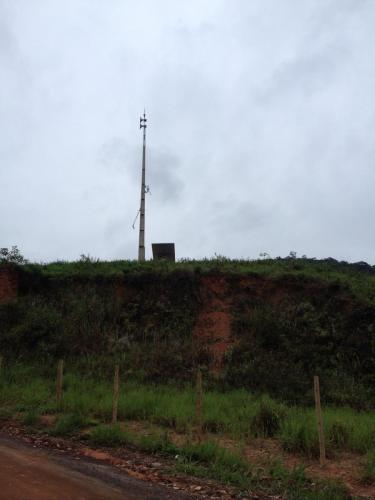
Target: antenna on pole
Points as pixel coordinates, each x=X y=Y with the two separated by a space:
x=144 y=189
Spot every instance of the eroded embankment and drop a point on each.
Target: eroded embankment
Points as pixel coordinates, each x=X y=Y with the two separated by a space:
x=232 y=307
x=264 y=333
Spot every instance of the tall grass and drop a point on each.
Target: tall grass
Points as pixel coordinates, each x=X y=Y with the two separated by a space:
x=368 y=472
x=235 y=413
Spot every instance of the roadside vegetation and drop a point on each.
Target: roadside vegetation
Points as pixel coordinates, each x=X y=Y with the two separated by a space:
x=236 y=413
x=27 y=392
x=212 y=461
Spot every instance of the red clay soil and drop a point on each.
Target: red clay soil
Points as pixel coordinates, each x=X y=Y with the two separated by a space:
x=213 y=327
x=8 y=285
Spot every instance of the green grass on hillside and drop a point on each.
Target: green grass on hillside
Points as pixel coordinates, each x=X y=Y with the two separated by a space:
x=358 y=277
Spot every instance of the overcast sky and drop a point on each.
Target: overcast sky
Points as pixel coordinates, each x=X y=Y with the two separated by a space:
x=261 y=132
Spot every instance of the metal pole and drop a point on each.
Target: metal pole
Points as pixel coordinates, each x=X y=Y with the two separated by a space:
x=141 y=245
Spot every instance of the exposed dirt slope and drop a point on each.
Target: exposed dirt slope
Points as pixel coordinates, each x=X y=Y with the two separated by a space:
x=213 y=327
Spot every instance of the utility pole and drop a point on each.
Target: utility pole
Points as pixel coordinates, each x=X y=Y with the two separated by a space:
x=141 y=245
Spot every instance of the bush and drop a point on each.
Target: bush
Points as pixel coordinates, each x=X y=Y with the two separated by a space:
x=29 y=326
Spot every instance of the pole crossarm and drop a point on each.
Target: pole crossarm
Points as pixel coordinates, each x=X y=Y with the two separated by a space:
x=143 y=121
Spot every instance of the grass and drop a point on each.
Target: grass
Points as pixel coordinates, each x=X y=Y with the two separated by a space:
x=344 y=428
x=69 y=424
x=268 y=418
x=297 y=486
x=31 y=417
x=30 y=392
x=217 y=462
x=359 y=277
x=368 y=472
x=298 y=433
x=210 y=461
x=105 y=435
x=235 y=413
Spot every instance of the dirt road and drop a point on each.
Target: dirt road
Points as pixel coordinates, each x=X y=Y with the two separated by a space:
x=33 y=474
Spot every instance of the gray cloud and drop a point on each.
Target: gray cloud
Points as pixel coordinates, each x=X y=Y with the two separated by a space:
x=243 y=216
x=165 y=180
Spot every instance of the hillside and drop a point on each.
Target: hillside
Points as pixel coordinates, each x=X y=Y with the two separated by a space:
x=267 y=326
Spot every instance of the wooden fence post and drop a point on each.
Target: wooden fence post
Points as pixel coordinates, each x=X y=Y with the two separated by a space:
x=198 y=405
x=319 y=419
x=116 y=391
x=59 y=383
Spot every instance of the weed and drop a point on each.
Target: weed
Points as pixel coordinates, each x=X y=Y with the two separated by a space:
x=31 y=417
x=235 y=412
x=68 y=424
x=216 y=472
x=267 y=420
x=155 y=443
x=5 y=413
x=298 y=435
x=368 y=470
x=213 y=461
x=339 y=434
x=108 y=435
x=297 y=486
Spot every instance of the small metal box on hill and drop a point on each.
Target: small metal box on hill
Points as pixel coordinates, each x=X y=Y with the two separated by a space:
x=163 y=251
